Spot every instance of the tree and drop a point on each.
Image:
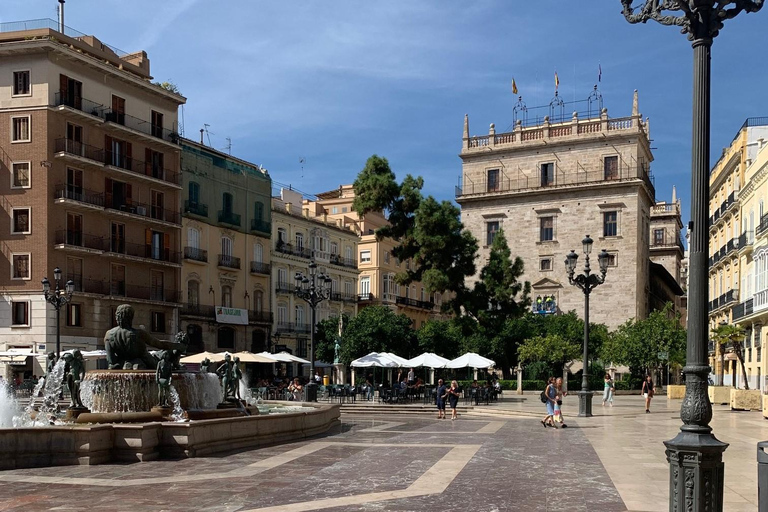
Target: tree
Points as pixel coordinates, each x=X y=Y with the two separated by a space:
x=377 y=329
x=428 y=232
x=734 y=334
x=643 y=344
x=549 y=348
x=442 y=337
x=325 y=338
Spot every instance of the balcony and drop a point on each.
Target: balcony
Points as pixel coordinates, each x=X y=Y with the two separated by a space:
x=299 y=251
x=724 y=299
x=78 y=239
x=762 y=226
x=335 y=259
x=343 y=297
x=79 y=194
x=365 y=297
x=144 y=251
x=89 y=285
x=101 y=157
x=121 y=289
x=198 y=310
x=293 y=327
x=227 y=261
x=141 y=209
x=667 y=241
x=284 y=287
x=742 y=309
x=229 y=218
x=261 y=226
x=105 y=114
x=746 y=239
x=196 y=208
x=532 y=179
x=195 y=254
x=258 y=267
x=264 y=317
x=413 y=303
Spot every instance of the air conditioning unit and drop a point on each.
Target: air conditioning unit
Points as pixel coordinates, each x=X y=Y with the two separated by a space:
x=141 y=210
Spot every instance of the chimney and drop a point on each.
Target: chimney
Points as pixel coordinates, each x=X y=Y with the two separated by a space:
x=61 y=16
x=674 y=194
x=201 y=135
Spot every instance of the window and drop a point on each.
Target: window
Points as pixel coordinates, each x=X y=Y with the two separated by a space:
x=348 y=253
x=74 y=317
x=75 y=272
x=282 y=314
x=610 y=224
x=20 y=175
x=157 y=124
x=156 y=285
x=282 y=277
x=493 y=180
x=491 y=228
x=546 y=229
x=344 y=209
x=226 y=296
x=193 y=238
x=365 y=256
x=226 y=246
x=158 y=321
x=299 y=311
x=194 y=193
x=226 y=337
x=611 y=168
x=117 y=240
x=386 y=256
x=334 y=285
x=335 y=210
x=387 y=287
x=334 y=248
x=21 y=223
x=21 y=85
x=258 y=253
x=158 y=245
x=281 y=236
x=193 y=293
x=157 y=207
x=545 y=264
x=613 y=259
x=658 y=236
x=227 y=202
x=299 y=241
x=117 y=115
x=70 y=92
x=20 y=129
x=20 y=313
x=258 y=300
x=20 y=266
x=258 y=210
x=74 y=229
x=74 y=184
x=117 y=284
x=154 y=164
x=365 y=285
x=547 y=174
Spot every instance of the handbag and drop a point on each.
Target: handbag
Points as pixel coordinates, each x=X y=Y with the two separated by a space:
x=559 y=402
x=544 y=397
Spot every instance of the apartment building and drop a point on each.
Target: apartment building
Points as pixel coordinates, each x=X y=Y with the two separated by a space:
x=752 y=253
x=736 y=219
x=302 y=233
x=90 y=157
x=555 y=178
x=377 y=265
x=667 y=282
x=227 y=227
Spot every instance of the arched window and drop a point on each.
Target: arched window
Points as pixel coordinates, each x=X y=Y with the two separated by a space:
x=193 y=293
x=258 y=300
x=226 y=296
x=226 y=246
x=226 y=337
x=194 y=193
x=227 y=203
x=193 y=238
x=299 y=315
x=258 y=253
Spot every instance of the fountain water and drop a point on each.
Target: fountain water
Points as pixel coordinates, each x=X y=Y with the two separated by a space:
x=10 y=410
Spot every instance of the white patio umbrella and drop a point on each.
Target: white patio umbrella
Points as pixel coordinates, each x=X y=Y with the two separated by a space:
x=374 y=359
x=428 y=360
x=470 y=360
x=250 y=357
x=198 y=358
x=401 y=361
x=284 y=357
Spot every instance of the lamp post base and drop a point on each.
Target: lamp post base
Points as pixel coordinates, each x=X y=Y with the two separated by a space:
x=585 y=404
x=696 y=471
x=310 y=392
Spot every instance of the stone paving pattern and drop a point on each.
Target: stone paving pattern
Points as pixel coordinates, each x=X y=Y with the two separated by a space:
x=504 y=460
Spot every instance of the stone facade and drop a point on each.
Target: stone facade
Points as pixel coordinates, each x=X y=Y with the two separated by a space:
x=89 y=155
x=549 y=185
x=226 y=249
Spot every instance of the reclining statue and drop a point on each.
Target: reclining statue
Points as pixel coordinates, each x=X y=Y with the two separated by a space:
x=127 y=347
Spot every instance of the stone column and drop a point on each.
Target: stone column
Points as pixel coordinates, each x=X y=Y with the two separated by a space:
x=340 y=370
x=519 y=371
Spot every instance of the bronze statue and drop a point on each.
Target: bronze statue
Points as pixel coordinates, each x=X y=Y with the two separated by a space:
x=238 y=375
x=163 y=375
x=74 y=371
x=127 y=347
x=205 y=365
x=52 y=360
x=226 y=372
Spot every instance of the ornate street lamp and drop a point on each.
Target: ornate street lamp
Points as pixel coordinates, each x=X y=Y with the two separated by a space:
x=58 y=298
x=313 y=289
x=695 y=456
x=586 y=282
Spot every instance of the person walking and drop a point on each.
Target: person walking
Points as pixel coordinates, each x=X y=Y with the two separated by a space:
x=560 y=394
x=440 y=395
x=453 y=398
x=648 y=393
x=549 y=393
x=608 y=390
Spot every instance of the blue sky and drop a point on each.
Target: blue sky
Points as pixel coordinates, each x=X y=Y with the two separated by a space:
x=336 y=81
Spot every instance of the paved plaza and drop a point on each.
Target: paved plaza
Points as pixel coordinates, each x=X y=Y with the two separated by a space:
x=496 y=458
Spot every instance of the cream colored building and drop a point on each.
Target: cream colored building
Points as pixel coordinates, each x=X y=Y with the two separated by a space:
x=752 y=311
x=736 y=220
x=667 y=252
x=301 y=233
x=377 y=265
x=547 y=185
x=226 y=251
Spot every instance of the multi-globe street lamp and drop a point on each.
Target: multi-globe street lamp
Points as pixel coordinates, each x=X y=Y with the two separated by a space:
x=586 y=282
x=58 y=298
x=695 y=456
x=313 y=289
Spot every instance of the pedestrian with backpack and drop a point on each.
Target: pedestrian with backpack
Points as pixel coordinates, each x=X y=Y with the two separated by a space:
x=548 y=396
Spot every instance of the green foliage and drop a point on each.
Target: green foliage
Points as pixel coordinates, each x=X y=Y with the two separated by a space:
x=169 y=86
x=734 y=334
x=551 y=348
x=377 y=329
x=442 y=337
x=640 y=343
x=325 y=338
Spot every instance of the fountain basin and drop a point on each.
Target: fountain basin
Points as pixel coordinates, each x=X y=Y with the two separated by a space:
x=110 y=391
x=136 y=442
